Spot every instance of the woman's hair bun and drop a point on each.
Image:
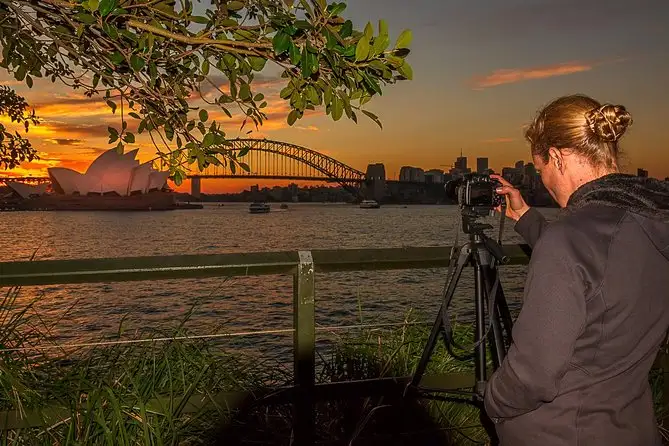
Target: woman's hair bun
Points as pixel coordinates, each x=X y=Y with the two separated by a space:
x=608 y=122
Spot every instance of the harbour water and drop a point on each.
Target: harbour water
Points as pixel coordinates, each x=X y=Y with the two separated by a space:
x=90 y=312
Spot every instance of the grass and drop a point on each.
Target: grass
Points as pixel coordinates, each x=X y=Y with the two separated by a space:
x=133 y=394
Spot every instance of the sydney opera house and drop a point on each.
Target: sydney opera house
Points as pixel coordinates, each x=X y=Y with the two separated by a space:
x=112 y=181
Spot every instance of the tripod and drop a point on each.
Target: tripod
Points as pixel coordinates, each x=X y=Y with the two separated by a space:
x=484 y=254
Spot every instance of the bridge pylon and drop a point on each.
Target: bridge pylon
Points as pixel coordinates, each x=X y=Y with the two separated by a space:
x=196 y=187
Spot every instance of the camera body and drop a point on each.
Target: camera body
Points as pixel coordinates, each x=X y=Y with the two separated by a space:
x=475 y=191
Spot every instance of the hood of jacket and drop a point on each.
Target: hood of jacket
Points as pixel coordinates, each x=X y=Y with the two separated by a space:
x=647 y=199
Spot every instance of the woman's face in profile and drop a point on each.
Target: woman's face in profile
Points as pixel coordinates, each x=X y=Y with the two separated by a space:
x=548 y=173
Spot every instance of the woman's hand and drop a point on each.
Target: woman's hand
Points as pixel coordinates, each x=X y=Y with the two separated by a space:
x=515 y=204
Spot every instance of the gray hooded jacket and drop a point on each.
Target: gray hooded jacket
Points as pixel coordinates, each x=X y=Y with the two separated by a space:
x=594 y=315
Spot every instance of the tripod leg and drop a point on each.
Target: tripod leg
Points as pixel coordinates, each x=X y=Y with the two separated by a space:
x=497 y=347
x=479 y=307
x=505 y=316
x=482 y=290
x=437 y=328
x=503 y=313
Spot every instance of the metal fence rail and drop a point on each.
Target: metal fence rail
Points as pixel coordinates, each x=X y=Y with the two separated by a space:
x=302 y=265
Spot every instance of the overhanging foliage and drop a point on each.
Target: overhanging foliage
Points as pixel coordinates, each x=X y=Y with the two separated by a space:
x=152 y=59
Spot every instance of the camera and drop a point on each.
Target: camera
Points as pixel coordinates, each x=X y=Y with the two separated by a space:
x=474 y=191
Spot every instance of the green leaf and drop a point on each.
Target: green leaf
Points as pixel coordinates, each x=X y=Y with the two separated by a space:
x=84 y=18
x=312 y=95
x=129 y=138
x=245 y=92
x=337 y=108
x=178 y=177
x=371 y=83
x=204 y=115
x=378 y=65
x=29 y=82
x=259 y=97
x=327 y=96
x=302 y=24
x=245 y=167
x=380 y=44
x=280 y=42
x=362 y=49
x=295 y=54
x=346 y=29
x=198 y=19
x=292 y=117
x=305 y=63
x=116 y=57
x=112 y=105
x=404 y=39
x=257 y=63
x=169 y=131
x=106 y=6
x=113 y=134
x=405 y=70
x=137 y=63
x=336 y=9
x=369 y=31
x=205 y=67
x=373 y=117
x=93 y=5
x=286 y=92
x=235 y=5
x=243 y=152
x=208 y=140
x=96 y=79
x=383 y=27
x=394 y=60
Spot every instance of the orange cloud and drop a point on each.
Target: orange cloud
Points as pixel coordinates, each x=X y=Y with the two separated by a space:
x=513 y=75
x=276 y=111
x=497 y=140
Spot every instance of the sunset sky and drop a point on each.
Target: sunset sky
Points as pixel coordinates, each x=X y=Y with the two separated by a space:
x=481 y=70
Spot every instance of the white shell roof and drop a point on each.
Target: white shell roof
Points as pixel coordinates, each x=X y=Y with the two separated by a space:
x=110 y=172
x=26 y=190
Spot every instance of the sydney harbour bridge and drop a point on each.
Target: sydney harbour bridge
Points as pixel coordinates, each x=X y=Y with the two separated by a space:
x=268 y=159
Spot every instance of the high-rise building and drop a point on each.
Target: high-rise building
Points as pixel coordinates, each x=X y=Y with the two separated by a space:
x=481 y=165
x=434 y=176
x=642 y=173
x=376 y=171
x=412 y=174
x=461 y=163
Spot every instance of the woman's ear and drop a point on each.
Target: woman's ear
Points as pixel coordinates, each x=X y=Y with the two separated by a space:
x=556 y=158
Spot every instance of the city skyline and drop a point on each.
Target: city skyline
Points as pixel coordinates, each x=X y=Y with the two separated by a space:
x=480 y=73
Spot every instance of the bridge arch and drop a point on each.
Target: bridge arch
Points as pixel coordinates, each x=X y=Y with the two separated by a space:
x=330 y=168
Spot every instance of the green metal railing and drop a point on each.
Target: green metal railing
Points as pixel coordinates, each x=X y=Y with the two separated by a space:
x=303 y=266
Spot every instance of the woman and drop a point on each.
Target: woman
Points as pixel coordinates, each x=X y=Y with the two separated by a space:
x=596 y=300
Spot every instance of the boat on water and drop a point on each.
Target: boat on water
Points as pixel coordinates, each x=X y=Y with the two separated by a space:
x=369 y=204
x=259 y=208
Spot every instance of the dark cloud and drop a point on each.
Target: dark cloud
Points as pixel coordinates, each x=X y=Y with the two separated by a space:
x=81 y=130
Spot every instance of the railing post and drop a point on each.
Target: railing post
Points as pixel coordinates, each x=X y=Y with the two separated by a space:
x=304 y=350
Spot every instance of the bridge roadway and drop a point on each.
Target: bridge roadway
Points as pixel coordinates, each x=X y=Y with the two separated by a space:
x=256 y=177
x=276 y=160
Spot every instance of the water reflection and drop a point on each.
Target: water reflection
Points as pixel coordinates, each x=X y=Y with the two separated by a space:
x=240 y=304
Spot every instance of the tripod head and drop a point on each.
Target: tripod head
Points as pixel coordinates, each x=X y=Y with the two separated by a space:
x=477 y=237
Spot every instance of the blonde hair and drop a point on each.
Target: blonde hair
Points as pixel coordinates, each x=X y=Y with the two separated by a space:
x=580 y=123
